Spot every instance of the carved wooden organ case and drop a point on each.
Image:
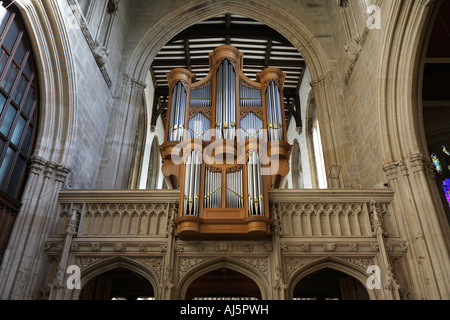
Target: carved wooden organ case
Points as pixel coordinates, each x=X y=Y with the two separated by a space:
x=225 y=146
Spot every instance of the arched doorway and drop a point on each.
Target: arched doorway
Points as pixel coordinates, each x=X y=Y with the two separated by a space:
x=329 y=284
x=223 y=284
x=118 y=284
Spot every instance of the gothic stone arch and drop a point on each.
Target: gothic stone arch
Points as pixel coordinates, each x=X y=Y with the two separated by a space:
x=331 y=263
x=301 y=37
x=49 y=166
x=405 y=155
x=207 y=265
x=138 y=265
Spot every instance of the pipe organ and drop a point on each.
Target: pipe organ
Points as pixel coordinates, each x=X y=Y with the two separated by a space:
x=228 y=134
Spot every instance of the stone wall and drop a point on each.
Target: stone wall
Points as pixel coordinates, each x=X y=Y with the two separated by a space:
x=94 y=86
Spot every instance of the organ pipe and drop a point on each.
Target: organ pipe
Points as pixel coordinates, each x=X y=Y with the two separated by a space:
x=177 y=112
x=226 y=101
x=273 y=109
x=192 y=185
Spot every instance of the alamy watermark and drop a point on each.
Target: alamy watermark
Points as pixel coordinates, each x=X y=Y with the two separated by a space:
x=374 y=19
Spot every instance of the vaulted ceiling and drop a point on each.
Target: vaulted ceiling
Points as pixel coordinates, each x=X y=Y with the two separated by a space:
x=261 y=45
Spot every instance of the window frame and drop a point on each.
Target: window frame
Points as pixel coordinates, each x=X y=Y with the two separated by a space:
x=11 y=187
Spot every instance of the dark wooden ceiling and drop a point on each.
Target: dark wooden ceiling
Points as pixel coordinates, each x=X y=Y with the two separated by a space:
x=261 y=45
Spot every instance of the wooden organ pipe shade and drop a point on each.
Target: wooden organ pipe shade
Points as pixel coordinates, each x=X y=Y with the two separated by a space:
x=223 y=127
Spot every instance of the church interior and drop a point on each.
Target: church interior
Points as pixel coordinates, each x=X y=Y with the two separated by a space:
x=225 y=150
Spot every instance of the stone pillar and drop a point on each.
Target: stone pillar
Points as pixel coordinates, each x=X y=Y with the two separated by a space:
x=167 y=285
x=422 y=221
x=389 y=284
x=279 y=283
x=24 y=259
x=58 y=288
x=120 y=142
x=334 y=132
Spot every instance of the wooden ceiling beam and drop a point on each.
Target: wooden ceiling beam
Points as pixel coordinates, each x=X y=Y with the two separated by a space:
x=249 y=62
x=220 y=31
x=268 y=53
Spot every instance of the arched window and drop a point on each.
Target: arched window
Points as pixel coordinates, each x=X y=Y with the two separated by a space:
x=314 y=143
x=18 y=113
x=296 y=167
x=441 y=160
x=154 y=166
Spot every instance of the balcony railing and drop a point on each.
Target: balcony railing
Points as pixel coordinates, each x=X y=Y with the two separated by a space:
x=297 y=213
x=337 y=213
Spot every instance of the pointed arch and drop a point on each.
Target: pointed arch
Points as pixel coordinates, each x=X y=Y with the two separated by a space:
x=254 y=274
x=106 y=265
x=334 y=264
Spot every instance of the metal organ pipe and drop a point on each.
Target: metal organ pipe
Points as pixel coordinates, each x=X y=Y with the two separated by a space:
x=250 y=97
x=226 y=101
x=192 y=185
x=177 y=112
x=212 y=191
x=273 y=107
x=255 y=187
x=199 y=127
x=252 y=126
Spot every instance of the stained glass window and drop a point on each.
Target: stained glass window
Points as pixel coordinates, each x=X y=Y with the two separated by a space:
x=437 y=163
x=444 y=148
x=446 y=187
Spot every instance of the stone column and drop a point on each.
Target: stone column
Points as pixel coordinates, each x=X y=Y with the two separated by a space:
x=279 y=283
x=167 y=285
x=389 y=284
x=24 y=259
x=334 y=132
x=120 y=142
x=58 y=288
x=422 y=220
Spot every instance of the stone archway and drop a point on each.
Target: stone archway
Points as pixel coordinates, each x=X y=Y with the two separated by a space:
x=104 y=272
x=341 y=278
x=253 y=277
x=329 y=284
x=404 y=150
x=118 y=284
x=223 y=283
x=50 y=164
x=324 y=84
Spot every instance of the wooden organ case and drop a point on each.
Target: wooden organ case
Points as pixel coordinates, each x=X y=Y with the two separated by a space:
x=225 y=147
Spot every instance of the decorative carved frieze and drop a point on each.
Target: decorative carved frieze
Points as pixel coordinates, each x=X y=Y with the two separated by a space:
x=154 y=264
x=84 y=262
x=362 y=263
x=188 y=263
x=329 y=247
x=224 y=246
x=294 y=264
x=259 y=263
x=96 y=247
x=119 y=247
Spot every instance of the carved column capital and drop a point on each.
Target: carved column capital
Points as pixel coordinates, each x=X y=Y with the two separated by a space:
x=138 y=85
x=36 y=165
x=61 y=173
x=49 y=169
x=318 y=82
x=419 y=162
